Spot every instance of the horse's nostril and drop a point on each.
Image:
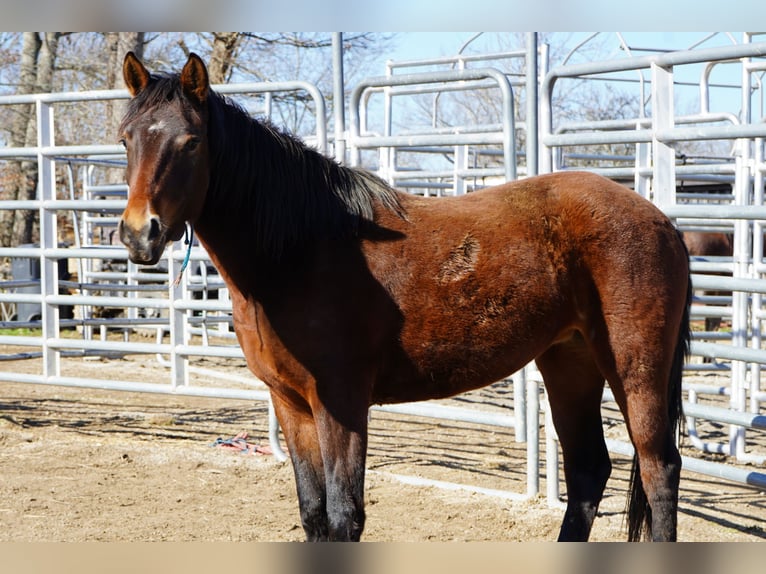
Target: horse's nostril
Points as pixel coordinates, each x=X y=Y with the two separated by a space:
x=122 y=231
x=154 y=229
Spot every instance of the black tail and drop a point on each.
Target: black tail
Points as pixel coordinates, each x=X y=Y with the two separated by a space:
x=639 y=512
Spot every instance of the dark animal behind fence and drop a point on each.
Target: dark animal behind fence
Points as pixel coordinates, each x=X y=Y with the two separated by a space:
x=347 y=293
x=703 y=244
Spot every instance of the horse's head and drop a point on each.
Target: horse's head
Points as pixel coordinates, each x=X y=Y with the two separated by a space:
x=165 y=134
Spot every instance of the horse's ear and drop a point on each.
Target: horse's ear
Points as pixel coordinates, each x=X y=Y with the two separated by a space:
x=194 y=79
x=134 y=73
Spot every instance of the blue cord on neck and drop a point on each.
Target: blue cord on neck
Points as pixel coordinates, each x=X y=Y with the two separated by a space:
x=188 y=240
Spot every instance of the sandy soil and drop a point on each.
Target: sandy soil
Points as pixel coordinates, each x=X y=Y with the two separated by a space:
x=93 y=465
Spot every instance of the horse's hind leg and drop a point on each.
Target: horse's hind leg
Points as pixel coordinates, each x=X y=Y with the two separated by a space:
x=645 y=377
x=575 y=386
x=655 y=489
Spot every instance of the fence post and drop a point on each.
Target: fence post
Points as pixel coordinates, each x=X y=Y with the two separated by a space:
x=46 y=191
x=664 y=153
x=740 y=299
x=177 y=292
x=531 y=121
x=533 y=434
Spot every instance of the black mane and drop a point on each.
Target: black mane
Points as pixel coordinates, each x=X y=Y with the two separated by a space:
x=284 y=192
x=294 y=193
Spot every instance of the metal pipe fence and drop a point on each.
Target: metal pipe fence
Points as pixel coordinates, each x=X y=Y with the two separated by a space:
x=105 y=278
x=659 y=175
x=192 y=320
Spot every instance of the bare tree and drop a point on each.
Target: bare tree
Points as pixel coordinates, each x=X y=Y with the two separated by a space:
x=274 y=57
x=117 y=45
x=223 y=56
x=37 y=63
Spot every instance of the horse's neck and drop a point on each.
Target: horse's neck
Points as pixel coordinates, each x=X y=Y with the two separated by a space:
x=228 y=252
x=230 y=245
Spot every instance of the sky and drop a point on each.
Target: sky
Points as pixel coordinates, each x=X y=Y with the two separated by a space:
x=416 y=45
x=391 y=15
x=422 y=45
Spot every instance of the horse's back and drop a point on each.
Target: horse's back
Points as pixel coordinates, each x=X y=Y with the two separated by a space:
x=562 y=220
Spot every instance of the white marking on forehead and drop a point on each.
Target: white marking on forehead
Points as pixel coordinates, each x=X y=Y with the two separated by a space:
x=158 y=126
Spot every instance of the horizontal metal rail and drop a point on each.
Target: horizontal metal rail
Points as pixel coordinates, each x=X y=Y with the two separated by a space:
x=358 y=141
x=706 y=467
x=181 y=310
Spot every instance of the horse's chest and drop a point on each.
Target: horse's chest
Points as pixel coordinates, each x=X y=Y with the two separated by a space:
x=257 y=340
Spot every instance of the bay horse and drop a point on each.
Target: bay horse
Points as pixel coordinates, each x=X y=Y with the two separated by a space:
x=701 y=244
x=347 y=293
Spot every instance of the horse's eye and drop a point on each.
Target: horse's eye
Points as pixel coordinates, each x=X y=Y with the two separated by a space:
x=191 y=143
x=123 y=143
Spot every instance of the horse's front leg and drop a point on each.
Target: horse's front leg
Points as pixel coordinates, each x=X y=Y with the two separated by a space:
x=328 y=448
x=343 y=440
x=299 y=430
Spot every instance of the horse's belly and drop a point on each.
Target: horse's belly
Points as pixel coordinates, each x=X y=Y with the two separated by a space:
x=443 y=366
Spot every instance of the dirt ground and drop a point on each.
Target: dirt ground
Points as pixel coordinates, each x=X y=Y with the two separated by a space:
x=92 y=465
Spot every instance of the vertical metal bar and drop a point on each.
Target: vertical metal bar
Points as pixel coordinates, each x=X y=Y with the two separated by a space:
x=177 y=291
x=509 y=131
x=664 y=154
x=743 y=232
x=533 y=436
x=532 y=113
x=458 y=166
x=131 y=270
x=276 y=447
x=85 y=266
x=520 y=405
x=757 y=299
x=387 y=161
x=386 y=155
x=643 y=160
x=546 y=121
x=739 y=321
x=338 y=97
x=46 y=191
x=551 y=458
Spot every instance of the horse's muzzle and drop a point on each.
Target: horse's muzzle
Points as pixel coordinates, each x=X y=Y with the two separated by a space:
x=145 y=244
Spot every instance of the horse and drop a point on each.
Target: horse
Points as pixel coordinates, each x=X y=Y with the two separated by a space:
x=347 y=293
x=700 y=244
